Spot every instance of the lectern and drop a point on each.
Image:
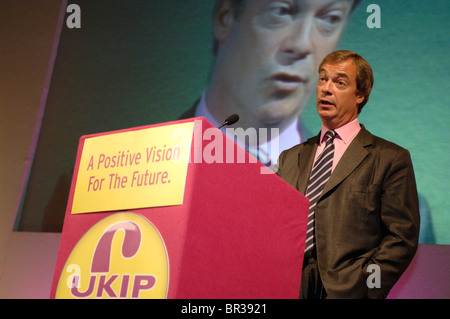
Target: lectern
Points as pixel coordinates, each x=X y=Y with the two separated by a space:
x=178 y=210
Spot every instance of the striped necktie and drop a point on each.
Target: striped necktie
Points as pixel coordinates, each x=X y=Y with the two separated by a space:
x=320 y=174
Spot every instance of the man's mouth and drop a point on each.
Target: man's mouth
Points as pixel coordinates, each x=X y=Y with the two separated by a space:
x=325 y=102
x=287 y=82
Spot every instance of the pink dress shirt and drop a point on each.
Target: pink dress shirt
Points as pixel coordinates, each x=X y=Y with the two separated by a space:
x=345 y=135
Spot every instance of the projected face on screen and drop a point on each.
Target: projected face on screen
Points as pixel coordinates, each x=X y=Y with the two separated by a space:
x=268 y=54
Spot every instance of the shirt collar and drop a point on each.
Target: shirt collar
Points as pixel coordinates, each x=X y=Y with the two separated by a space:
x=346 y=132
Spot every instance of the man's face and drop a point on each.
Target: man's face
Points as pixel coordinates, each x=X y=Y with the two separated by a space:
x=337 y=99
x=269 y=55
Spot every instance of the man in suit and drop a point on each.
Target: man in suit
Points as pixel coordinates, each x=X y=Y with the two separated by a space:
x=366 y=218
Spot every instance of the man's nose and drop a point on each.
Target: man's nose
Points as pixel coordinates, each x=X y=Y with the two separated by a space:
x=326 y=88
x=299 y=42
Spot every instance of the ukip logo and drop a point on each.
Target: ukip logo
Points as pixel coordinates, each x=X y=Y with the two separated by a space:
x=122 y=256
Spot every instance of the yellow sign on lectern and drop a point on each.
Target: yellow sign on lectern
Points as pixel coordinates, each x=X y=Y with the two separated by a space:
x=133 y=169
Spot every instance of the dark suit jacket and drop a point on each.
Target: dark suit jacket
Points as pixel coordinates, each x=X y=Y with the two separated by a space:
x=368 y=213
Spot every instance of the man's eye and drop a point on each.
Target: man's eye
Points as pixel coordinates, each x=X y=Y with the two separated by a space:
x=331 y=20
x=281 y=9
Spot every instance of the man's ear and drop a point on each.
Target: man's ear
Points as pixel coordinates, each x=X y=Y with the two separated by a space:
x=360 y=98
x=223 y=21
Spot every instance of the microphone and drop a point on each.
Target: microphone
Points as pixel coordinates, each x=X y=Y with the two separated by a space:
x=233 y=118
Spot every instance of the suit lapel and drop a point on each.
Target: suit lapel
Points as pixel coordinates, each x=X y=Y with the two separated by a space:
x=353 y=156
